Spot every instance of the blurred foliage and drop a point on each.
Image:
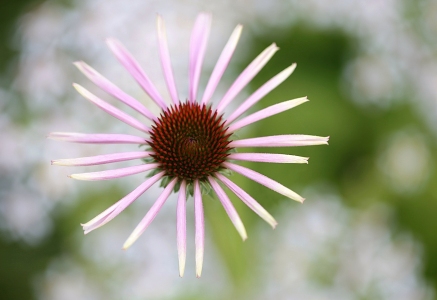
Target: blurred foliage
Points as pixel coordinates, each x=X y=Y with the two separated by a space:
x=350 y=161
x=20 y=262
x=8 y=14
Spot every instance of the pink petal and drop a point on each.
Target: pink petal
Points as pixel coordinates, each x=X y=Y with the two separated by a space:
x=286 y=140
x=129 y=62
x=222 y=64
x=229 y=208
x=165 y=59
x=100 y=159
x=251 y=70
x=264 y=180
x=267 y=112
x=150 y=216
x=269 y=157
x=112 y=89
x=117 y=173
x=181 y=227
x=248 y=200
x=198 y=42
x=96 y=138
x=113 y=111
x=261 y=92
x=118 y=207
x=200 y=228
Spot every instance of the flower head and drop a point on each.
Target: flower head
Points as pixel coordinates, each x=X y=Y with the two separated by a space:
x=190 y=144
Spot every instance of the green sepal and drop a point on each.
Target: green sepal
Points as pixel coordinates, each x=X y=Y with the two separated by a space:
x=205 y=188
x=165 y=181
x=148 y=160
x=153 y=172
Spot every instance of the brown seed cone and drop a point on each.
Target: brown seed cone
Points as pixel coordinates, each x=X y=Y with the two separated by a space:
x=189 y=141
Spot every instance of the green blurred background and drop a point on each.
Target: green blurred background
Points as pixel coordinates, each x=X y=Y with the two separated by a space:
x=367 y=229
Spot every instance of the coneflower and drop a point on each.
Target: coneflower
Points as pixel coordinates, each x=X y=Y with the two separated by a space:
x=190 y=144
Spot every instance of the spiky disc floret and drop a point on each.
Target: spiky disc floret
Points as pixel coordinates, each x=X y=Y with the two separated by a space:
x=189 y=141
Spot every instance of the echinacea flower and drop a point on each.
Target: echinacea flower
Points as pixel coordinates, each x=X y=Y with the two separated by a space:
x=190 y=144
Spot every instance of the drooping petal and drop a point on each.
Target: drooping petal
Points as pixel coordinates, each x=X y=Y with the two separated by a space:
x=248 y=200
x=251 y=70
x=112 y=89
x=264 y=180
x=150 y=216
x=96 y=138
x=200 y=228
x=113 y=111
x=165 y=59
x=181 y=227
x=266 y=112
x=229 y=208
x=118 y=207
x=269 y=158
x=222 y=64
x=112 y=174
x=133 y=67
x=261 y=92
x=286 y=140
x=103 y=218
x=198 y=42
x=100 y=159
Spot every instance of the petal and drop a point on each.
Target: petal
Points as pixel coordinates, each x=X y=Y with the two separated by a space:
x=264 y=180
x=261 y=92
x=165 y=59
x=286 y=140
x=100 y=159
x=150 y=216
x=118 y=207
x=181 y=227
x=113 y=111
x=117 y=173
x=198 y=42
x=269 y=157
x=267 y=112
x=200 y=228
x=113 y=90
x=248 y=200
x=251 y=70
x=129 y=62
x=229 y=208
x=96 y=138
x=222 y=64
